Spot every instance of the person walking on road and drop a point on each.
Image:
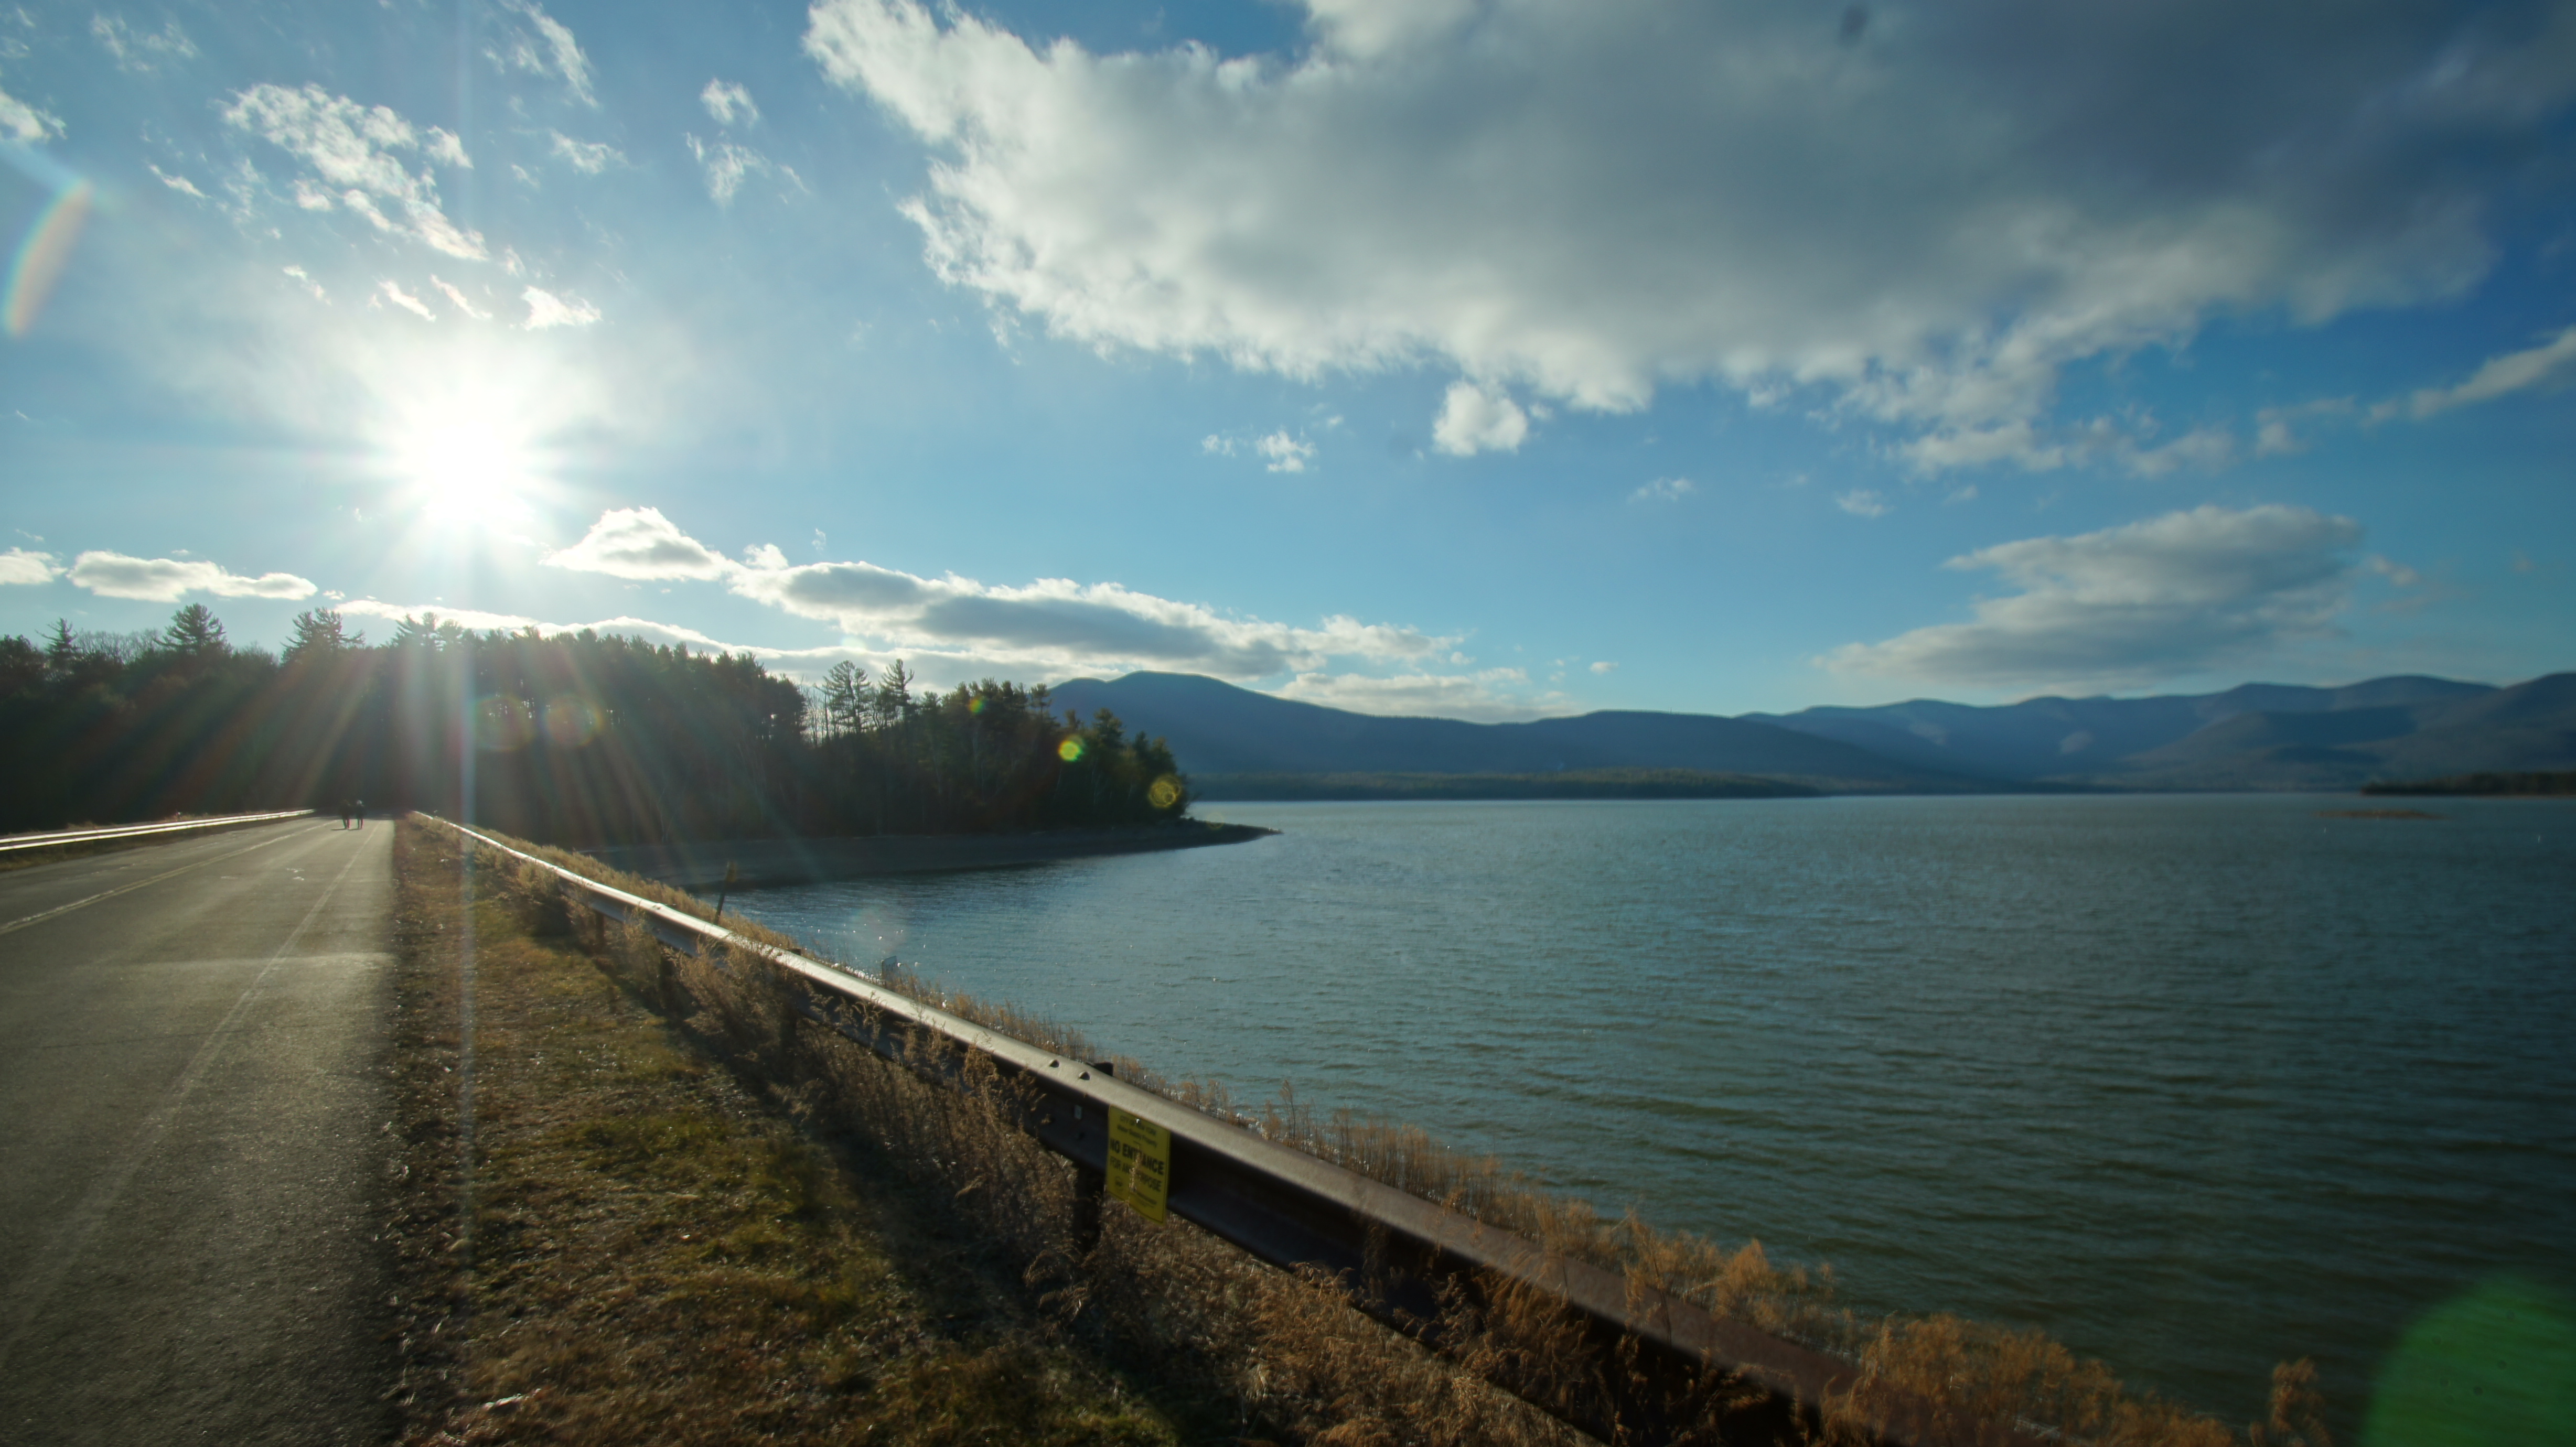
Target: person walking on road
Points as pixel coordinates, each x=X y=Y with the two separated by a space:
x=346 y=808
x=359 y=808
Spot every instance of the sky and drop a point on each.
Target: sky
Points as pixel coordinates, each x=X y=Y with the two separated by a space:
x=1482 y=358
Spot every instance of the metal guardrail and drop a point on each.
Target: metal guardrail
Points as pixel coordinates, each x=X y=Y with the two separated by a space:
x=1662 y=1359
x=139 y=831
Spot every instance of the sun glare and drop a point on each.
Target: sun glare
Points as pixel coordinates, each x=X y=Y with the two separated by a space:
x=468 y=461
x=466 y=471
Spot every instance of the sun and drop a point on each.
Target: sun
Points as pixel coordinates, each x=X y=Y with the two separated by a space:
x=467 y=469
x=468 y=460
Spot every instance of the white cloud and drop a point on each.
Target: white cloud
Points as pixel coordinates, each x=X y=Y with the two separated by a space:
x=588 y=157
x=483 y=622
x=1591 y=201
x=458 y=300
x=728 y=164
x=444 y=148
x=1474 y=419
x=351 y=148
x=24 y=123
x=1862 y=502
x=141 y=51
x=180 y=184
x=1286 y=453
x=1664 y=489
x=1483 y=696
x=544 y=47
x=639 y=544
x=165 y=580
x=545 y=309
x=392 y=291
x=21 y=566
x=1605 y=666
x=2552 y=361
x=729 y=103
x=2130 y=606
x=1052 y=626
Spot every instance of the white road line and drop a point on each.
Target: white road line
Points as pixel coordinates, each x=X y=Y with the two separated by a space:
x=18 y=924
x=28 y=1295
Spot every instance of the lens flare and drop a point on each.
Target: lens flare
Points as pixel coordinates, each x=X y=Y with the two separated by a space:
x=571 y=722
x=1164 y=792
x=46 y=251
x=1070 y=750
x=503 y=724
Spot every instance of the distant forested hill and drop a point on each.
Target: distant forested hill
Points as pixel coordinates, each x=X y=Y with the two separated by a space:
x=1219 y=731
x=2258 y=736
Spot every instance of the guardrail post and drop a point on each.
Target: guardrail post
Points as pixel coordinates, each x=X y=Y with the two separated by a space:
x=1090 y=1187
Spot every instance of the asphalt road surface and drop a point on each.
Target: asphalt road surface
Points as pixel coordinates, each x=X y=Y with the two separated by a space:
x=192 y=1147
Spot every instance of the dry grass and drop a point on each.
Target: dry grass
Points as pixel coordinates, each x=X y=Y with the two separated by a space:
x=1290 y=1351
x=646 y=1249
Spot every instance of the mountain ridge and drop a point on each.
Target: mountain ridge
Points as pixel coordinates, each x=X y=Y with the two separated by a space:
x=2253 y=736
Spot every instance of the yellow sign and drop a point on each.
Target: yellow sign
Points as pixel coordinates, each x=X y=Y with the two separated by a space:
x=1140 y=1163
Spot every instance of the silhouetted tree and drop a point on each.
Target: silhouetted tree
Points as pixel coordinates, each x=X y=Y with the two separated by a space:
x=574 y=739
x=194 y=632
x=321 y=631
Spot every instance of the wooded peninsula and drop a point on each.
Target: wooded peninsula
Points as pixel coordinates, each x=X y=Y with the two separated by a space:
x=577 y=739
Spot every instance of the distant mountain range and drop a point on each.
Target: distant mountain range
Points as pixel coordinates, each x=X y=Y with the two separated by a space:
x=2259 y=736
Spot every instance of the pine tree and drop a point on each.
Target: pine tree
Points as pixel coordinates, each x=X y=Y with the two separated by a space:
x=321 y=633
x=845 y=703
x=195 y=632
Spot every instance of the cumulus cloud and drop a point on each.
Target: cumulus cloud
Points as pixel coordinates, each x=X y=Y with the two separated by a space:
x=165 y=580
x=639 y=544
x=542 y=46
x=1475 y=419
x=2133 y=605
x=351 y=148
x=1664 y=489
x=21 y=566
x=545 y=309
x=24 y=123
x=1605 y=666
x=729 y=104
x=1930 y=216
x=588 y=157
x=1484 y=696
x=1051 y=625
x=2549 y=363
x=1862 y=502
x=141 y=51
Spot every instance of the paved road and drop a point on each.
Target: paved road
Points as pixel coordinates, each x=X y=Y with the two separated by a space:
x=192 y=1146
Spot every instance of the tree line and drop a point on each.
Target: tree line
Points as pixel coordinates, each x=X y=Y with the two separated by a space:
x=575 y=738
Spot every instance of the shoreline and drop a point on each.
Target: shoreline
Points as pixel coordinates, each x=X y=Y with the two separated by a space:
x=699 y=865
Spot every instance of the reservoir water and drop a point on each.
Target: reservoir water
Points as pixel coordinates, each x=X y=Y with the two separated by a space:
x=2194 y=1083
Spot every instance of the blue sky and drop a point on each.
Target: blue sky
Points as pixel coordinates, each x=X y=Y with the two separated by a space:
x=1488 y=358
